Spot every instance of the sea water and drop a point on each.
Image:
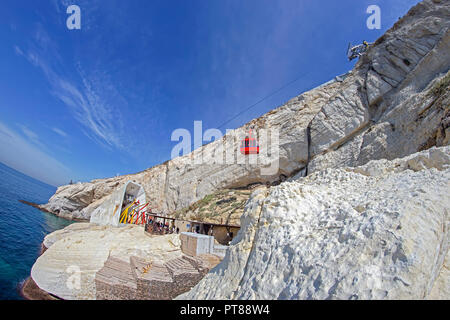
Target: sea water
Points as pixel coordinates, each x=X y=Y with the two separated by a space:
x=22 y=227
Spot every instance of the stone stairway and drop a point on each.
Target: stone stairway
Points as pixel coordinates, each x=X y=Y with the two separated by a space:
x=115 y=281
x=154 y=284
x=139 y=279
x=183 y=273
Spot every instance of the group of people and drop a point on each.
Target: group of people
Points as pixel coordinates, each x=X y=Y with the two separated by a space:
x=157 y=227
x=161 y=228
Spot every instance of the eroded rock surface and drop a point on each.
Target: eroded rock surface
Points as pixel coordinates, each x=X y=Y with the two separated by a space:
x=142 y=279
x=395 y=102
x=84 y=248
x=378 y=231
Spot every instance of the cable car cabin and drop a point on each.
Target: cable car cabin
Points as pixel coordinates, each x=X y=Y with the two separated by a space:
x=249 y=146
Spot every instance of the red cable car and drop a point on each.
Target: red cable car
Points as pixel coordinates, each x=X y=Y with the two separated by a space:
x=249 y=145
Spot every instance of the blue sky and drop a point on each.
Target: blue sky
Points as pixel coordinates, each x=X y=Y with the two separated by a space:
x=104 y=100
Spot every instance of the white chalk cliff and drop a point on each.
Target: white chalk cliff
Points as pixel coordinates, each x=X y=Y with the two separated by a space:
x=393 y=103
x=378 y=231
x=76 y=253
x=364 y=213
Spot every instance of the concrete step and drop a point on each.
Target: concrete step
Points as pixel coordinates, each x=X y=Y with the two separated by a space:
x=119 y=274
x=156 y=272
x=117 y=264
x=115 y=278
x=179 y=266
x=116 y=270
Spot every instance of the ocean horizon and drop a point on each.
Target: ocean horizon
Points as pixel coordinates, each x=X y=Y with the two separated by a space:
x=22 y=227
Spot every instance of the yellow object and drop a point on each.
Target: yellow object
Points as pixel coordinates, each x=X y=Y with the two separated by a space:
x=147 y=267
x=131 y=215
x=115 y=209
x=124 y=213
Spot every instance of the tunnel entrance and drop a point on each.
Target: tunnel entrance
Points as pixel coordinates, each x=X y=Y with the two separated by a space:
x=127 y=204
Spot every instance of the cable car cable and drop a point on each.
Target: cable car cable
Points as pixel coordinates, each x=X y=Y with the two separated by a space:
x=261 y=100
x=267 y=97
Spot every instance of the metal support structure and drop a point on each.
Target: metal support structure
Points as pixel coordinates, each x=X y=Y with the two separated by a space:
x=357 y=51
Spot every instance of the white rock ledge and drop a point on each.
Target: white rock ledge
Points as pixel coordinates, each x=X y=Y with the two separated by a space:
x=87 y=247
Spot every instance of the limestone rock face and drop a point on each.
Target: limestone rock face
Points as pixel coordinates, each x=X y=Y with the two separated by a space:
x=223 y=207
x=378 y=231
x=147 y=280
x=229 y=272
x=394 y=102
x=84 y=248
x=77 y=201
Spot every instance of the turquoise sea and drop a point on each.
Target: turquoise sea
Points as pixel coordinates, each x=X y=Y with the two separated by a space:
x=22 y=228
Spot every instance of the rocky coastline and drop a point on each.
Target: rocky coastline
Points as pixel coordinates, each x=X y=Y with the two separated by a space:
x=393 y=103
x=356 y=210
x=114 y=263
x=29 y=290
x=42 y=208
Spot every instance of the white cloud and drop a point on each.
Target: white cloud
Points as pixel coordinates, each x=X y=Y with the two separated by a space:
x=18 y=51
x=32 y=136
x=86 y=100
x=60 y=132
x=29 y=158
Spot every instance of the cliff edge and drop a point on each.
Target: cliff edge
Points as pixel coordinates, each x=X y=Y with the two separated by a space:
x=392 y=104
x=379 y=231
